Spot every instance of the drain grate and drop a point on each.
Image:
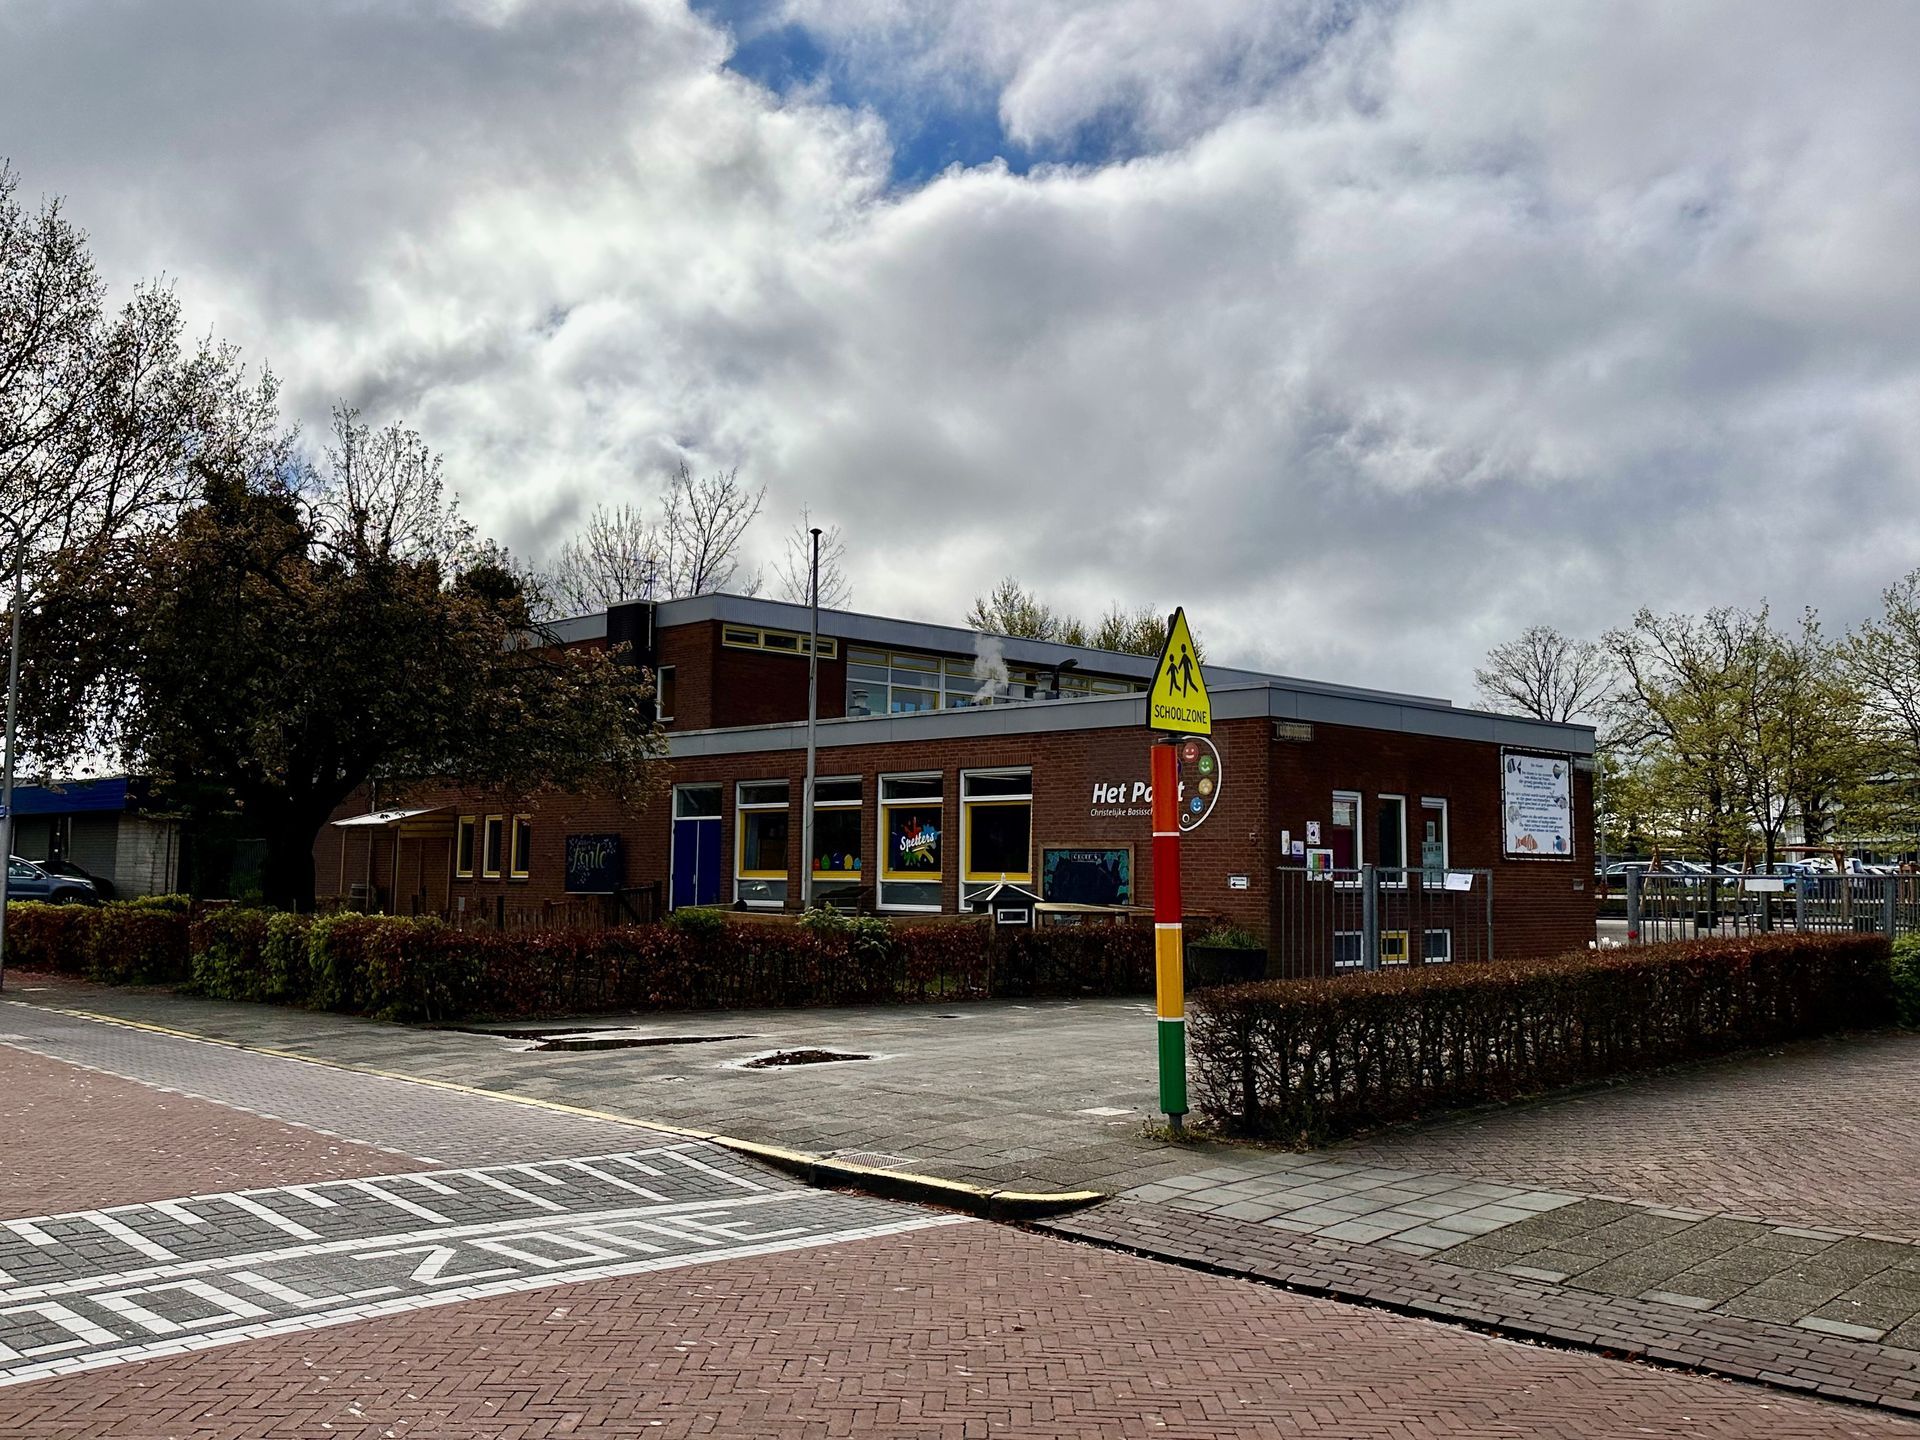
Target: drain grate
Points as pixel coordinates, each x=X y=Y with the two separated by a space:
x=621 y=1040
x=781 y=1058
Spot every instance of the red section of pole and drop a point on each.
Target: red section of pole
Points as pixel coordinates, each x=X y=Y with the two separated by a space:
x=1166 y=833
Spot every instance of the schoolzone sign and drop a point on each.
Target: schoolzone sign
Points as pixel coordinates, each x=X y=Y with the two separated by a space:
x=1178 y=702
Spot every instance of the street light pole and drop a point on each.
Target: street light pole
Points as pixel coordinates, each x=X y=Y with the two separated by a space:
x=813 y=714
x=6 y=768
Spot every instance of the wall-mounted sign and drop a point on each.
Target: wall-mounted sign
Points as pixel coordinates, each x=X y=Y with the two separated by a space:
x=1239 y=882
x=1087 y=874
x=1313 y=826
x=1320 y=864
x=1201 y=778
x=595 y=864
x=1536 y=805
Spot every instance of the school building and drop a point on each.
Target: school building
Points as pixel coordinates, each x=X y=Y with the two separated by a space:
x=950 y=763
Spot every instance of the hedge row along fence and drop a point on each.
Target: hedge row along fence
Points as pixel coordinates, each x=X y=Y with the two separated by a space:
x=408 y=969
x=1311 y=1060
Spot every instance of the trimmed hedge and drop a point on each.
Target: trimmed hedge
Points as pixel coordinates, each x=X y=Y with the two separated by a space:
x=1906 y=981
x=417 y=969
x=1310 y=1060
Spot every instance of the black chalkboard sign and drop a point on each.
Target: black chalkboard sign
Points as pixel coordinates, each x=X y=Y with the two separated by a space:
x=1087 y=874
x=594 y=864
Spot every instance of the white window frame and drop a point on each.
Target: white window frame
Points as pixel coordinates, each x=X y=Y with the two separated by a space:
x=1429 y=804
x=660 y=712
x=882 y=829
x=1359 y=833
x=1426 y=939
x=1380 y=801
x=966 y=828
x=741 y=810
x=1359 y=949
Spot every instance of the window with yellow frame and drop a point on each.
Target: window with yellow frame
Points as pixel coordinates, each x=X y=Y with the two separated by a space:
x=519 y=866
x=493 y=841
x=996 y=828
x=912 y=841
x=463 y=841
x=760 y=843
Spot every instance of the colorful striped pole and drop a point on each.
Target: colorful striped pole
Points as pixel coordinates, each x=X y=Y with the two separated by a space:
x=1169 y=985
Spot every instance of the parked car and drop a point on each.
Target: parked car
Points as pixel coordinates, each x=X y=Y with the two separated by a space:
x=28 y=881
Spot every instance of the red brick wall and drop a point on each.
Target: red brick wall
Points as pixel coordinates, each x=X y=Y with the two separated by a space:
x=1266 y=787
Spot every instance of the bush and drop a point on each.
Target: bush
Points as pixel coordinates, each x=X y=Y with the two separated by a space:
x=283 y=958
x=175 y=904
x=138 y=945
x=228 y=953
x=1906 y=980
x=339 y=950
x=52 y=939
x=1307 y=1060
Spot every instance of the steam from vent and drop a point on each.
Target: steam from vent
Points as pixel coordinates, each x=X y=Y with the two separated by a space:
x=990 y=667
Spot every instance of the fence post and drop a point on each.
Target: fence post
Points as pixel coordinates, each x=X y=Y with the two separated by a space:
x=1889 y=887
x=1370 y=917
x=1633 y=907
x=1800 y=901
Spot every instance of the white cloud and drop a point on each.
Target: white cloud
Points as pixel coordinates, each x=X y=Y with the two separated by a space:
x=1405 y=328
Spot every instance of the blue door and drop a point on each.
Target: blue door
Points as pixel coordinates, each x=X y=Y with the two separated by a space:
x=696 y=846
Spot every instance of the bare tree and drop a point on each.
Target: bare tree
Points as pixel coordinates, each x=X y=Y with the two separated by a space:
x=836 y=591
x=614 y=559
x=1546 y=674
x=383 y=496
x=702 y=524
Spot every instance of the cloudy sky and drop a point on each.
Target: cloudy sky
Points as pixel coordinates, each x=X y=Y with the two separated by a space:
x=1371 y=332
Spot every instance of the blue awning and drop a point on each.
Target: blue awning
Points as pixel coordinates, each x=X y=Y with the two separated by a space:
x=71 y=797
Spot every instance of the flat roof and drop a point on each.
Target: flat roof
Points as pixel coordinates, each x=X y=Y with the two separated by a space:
x=1238 y=694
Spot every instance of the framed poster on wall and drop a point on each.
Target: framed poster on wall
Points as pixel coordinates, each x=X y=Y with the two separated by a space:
x=913 y=839
x=1536 y=805
x=1087 y=874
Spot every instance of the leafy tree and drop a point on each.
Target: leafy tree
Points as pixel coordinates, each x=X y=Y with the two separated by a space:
x=300 y=634
x=1545 y=674
x=1011 y=609
x=1881 y=660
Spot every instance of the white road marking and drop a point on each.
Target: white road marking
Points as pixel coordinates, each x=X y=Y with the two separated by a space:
x=132 y=1239
x=614 y=1180
x=505 y=1188
x=367 y=1187
x=272 y=1217
x=30 y=1232
x=174 y=1210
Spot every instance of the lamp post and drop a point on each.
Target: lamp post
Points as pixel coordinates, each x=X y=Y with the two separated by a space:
x=6 y=767
x=813 y=714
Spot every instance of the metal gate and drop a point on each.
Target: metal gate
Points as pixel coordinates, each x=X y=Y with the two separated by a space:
x=1334 y=921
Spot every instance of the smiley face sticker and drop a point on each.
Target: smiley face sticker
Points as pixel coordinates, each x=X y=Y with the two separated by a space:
x=1200 y=781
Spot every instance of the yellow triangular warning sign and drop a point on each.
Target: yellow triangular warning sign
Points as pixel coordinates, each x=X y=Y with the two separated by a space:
x=1178 y=701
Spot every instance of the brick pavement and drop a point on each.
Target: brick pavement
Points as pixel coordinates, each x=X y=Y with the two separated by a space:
x=1748 y=1349
x=70 y=1133
x=967 y=1331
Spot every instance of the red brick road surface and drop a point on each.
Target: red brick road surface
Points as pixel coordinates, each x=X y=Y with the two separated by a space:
x=74 y=1137
x=1822 y=1134
x=967 y=1331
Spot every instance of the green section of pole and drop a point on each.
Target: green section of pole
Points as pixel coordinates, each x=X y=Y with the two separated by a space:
x=1173 y=1067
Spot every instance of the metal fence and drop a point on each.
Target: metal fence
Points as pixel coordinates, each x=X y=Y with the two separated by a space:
x=1676 y=907
x=1332 y=922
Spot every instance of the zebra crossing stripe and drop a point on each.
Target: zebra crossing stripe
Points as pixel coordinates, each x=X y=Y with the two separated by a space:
x=132 y=1239
x=272 y=1217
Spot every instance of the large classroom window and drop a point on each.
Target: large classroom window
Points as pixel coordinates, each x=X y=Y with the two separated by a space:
x=463 y=847
x=521 y=863
x=1390 y=837
x=1433 y=839
x=494 y=836
x=913 y=840
x=996 y=828
x=760 y=844
x=837 y=869
x=898 y=682
x=1343 y=831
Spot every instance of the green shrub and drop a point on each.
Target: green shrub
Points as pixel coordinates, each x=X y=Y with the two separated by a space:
x=139 y=945
x=283 y=958
x=227 y=945
x=1906 y=980
x=176 y=904
x=51 y=939
x=1229 y=937
x=702 y=922
x=339 y=948
x=1306 y=1060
